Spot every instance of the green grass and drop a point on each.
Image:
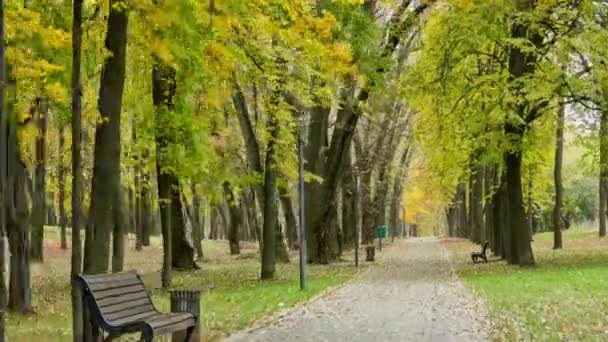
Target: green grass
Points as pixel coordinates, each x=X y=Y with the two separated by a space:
x=565 y=297
x=235 y=300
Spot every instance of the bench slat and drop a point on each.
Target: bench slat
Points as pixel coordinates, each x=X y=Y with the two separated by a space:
x=119 y=292
x=167 y=319
x=125 y=305
x=135 y=318
x=174 y=327
x=129 y=312
x=100 y=278
x=106 y=302
x=114 y=284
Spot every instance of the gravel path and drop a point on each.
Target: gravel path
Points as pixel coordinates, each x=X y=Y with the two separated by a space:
x=412 y=295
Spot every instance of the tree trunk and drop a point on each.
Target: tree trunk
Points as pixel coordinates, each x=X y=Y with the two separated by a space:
x=557 y=177
x=521 y=63
x=147 y=218
x=530 y=209
x=252 y=214
x=489 y=188
x=281 y=252
x=270 y=230
x=76 y=260
x=18 y=213
x=397 y=192
x=503 y=224
x=61 y=186
x=163 y=93
x=137 y=214
x=39 y=198
x=235 y=220
x=314 y=153
x=164 y=202
x=3 y=171
x=290 y=218
x=198 y=223
x=118 y=234
x=476 y=204
x=349 y=205
x=461 y=217
x=106 y=167
x=520 y=239
x=346 y=121
x=603 y=209
x=182 y=249
x=213 y=226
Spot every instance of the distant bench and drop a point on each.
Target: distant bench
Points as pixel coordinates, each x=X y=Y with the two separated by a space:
x=119 y=304
x=475 y=256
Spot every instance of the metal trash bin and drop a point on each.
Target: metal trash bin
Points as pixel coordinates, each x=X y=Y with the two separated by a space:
x=187 y=301
x=370 y=253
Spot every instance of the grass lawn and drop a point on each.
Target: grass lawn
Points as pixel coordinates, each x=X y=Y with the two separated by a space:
x=235 y=300
x=563 y=298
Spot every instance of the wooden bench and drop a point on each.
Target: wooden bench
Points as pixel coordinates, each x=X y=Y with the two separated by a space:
x=475 y=256
x=119 y=304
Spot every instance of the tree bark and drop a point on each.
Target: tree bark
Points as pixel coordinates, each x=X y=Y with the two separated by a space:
x=461 y=212
x=213 y=226
x=118 y=234
x=39 y=198
x=521 y=63
x=397 y=192
x=106 y=167
x=603 y=205
x=3 y=170
x=368 y=163
x=163 y=93
x=61 y=186
x=488 y=222
x=164 y=202
x=269 y=230
x=136 y=191
x=198 y=223
x=291 y=224
x=314 y=152
x=557 y=177
x=476 y=204
x=182 y=249
x=521 y=249
x=282 y=254
x=147 y=218
x=349 y=205
x=76 y=258
x=235 y=220
x=254 y=160
x=252 y=214
x=19 y=187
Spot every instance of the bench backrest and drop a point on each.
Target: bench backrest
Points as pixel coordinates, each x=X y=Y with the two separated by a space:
x=116 y=299
x=485 y=247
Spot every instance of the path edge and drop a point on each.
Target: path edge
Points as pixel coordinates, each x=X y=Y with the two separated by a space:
x=266 y=321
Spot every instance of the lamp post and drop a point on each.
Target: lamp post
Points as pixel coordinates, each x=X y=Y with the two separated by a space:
x=302 y=236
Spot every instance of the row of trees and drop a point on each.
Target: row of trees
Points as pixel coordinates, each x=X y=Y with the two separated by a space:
x=194 y=109
x=498 y=80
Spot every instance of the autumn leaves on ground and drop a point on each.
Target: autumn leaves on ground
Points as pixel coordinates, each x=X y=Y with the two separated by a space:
x=233 y=299
x=563 y=298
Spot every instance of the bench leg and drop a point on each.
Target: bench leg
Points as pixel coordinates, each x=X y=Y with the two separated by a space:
x=189 y=334
x=144 y=338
